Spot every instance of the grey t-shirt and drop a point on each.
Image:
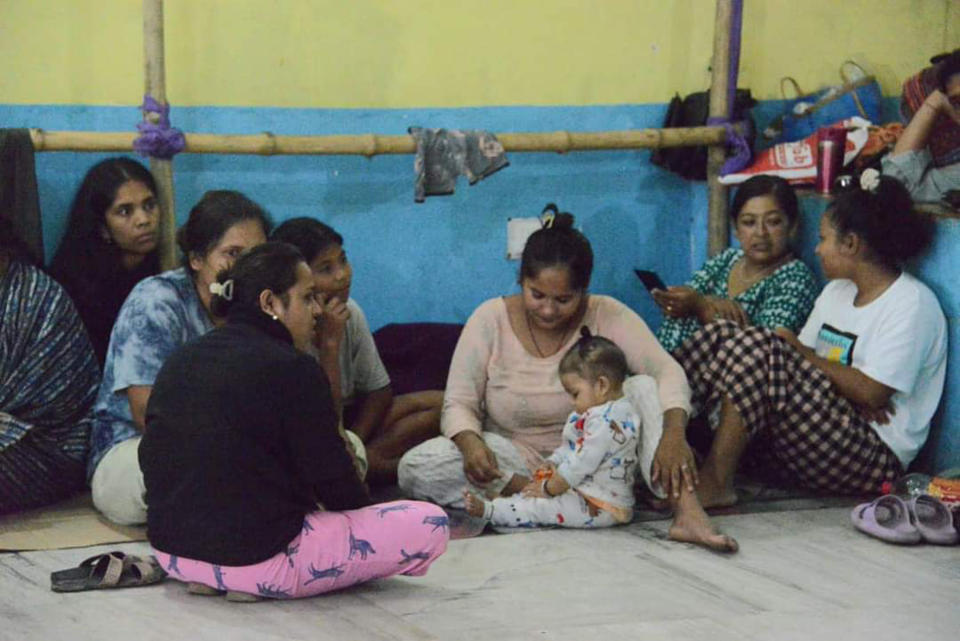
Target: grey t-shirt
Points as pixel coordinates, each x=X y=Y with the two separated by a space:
x=925 y=182
x=361 y=370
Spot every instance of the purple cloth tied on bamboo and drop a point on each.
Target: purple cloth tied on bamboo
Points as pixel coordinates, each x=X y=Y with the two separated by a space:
x=445 y=154
x=737 y=143
x=157 y=139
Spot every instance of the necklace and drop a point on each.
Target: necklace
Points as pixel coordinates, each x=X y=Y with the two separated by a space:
x=563 y=337
x=763 y=273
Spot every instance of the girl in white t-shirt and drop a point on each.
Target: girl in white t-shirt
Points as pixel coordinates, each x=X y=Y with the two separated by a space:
x=847 y=404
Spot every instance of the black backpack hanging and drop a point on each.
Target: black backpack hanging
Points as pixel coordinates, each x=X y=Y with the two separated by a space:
x=692 y=111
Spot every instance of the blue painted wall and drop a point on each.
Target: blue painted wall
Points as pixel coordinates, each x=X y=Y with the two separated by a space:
x=436 y=261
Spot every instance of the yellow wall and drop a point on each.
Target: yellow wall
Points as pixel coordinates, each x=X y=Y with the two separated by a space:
x=450 y=53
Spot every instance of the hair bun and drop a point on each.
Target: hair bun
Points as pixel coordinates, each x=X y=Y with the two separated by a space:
x=563 y=220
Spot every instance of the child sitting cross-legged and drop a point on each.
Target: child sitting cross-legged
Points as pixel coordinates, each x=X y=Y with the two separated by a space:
x=588 y=481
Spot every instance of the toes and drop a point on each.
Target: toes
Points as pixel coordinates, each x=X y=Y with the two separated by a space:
x=708 y=539
x=723 y=543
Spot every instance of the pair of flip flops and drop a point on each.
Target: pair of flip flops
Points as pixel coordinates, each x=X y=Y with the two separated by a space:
x=105 y=571
x=891 y=519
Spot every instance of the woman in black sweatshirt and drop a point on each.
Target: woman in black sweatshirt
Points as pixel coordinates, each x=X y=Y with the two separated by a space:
x=242 y=443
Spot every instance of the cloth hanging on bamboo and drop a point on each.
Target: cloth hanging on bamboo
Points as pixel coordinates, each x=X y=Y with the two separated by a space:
x=445 y=154
x=48 y=382
x=18 y=189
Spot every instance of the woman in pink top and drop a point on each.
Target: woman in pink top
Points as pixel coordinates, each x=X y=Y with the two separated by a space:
x=504 y=406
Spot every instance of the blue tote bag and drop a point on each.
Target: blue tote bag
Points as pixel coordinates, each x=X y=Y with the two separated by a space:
x=859 y=95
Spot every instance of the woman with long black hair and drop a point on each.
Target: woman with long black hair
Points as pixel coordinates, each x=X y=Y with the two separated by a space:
x=110 y=243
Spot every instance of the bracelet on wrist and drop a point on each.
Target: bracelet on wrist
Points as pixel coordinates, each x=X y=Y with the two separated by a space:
x=545 y=489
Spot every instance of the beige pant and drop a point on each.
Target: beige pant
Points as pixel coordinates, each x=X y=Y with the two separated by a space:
x=117 y=483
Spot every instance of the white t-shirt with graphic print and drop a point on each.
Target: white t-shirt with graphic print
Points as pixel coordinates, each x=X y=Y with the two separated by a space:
x=899 y=339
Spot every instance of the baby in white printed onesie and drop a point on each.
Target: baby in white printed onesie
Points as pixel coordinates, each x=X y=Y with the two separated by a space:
x=588 y=481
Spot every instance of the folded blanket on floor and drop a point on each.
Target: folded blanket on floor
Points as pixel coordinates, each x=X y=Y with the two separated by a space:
x=417 y=355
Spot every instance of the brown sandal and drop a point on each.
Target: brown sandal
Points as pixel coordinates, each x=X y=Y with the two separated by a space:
x=110 y=570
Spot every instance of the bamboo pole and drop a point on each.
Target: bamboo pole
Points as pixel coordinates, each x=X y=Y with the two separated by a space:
x=162 y=170
x=267 y=144
x=718 y=237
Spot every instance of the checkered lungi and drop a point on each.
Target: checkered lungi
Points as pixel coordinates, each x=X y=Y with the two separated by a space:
x=801 y=429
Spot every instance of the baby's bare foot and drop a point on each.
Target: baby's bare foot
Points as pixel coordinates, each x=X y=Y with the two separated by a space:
x=474 y=504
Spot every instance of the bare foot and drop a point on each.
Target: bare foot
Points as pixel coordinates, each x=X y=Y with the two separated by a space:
x=474 y=505
x=692 y=525
x=714 y=494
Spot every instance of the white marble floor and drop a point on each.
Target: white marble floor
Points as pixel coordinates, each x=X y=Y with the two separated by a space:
x=799 y=575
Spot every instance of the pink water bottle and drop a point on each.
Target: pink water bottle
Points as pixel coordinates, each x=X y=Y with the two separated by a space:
x=831 y=145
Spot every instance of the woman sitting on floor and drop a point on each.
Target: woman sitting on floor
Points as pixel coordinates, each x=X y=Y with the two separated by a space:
x=505 y=407
x=162 y=313
x=847 y=405
x=242 y=442
x=48 y=381
x=110 y=243
x=389 y=425
x=761 y=283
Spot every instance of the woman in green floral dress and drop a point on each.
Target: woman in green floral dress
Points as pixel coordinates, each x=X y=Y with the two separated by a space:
x=761 y=283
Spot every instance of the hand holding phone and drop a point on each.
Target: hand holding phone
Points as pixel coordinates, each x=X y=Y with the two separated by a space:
x=650 y=279
x=678 y=301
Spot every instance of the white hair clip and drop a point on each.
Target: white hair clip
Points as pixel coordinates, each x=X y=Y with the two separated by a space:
x=548 y=215
x=870 y=180
x=223 y=290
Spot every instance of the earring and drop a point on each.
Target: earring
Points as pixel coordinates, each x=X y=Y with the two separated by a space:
x=274 y=317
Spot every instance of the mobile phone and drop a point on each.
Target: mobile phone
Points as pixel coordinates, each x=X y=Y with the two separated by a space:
x=650 y=279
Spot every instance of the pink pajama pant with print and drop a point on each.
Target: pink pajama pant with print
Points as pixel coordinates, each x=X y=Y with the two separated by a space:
x=332 y=551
